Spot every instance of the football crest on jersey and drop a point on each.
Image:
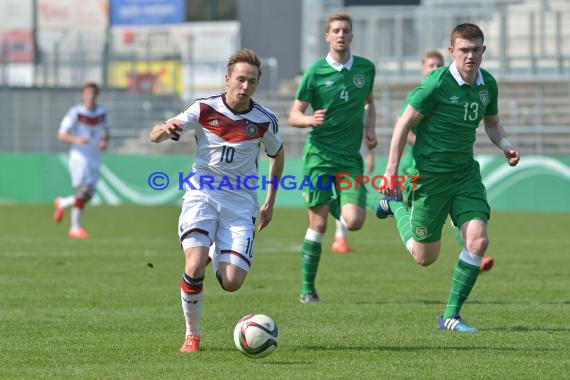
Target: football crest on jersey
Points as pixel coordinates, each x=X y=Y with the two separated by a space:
x=251 y=130
x=358 y=80
x=484 y=96
x=421 y=231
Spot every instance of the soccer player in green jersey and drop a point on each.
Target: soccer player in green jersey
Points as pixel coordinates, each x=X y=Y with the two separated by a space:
x=431 y=60
x=447 y=108
x=339 y=89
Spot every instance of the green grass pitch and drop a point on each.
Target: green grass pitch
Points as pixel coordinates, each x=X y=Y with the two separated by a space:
x=109 y=307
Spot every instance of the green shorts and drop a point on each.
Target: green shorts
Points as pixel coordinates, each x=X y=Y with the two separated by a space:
x=332 y=175
x=460 y=194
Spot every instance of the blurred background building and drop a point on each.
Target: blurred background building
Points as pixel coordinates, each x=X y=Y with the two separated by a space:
x=153 y=56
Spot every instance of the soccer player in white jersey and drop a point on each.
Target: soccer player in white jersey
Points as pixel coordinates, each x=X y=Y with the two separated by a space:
x=229 y=129
x=85 y=127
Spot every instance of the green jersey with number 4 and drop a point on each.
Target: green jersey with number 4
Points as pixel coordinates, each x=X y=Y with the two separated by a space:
x=343 y=94
x=452 y=112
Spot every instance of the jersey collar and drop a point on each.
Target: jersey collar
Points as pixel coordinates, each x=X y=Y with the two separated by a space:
x=339 y=66
x=455 y=73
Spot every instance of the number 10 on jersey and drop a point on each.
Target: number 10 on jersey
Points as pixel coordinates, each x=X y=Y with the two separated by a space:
x=227 y=154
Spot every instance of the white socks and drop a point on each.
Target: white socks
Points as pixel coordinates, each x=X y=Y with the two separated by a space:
x=313 y=236
x=341 y=230
x=76 y=213
x=470 y=258
x=192 y=307
x=67 y=202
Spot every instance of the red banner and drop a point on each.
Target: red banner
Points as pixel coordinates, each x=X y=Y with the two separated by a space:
x=17 y=46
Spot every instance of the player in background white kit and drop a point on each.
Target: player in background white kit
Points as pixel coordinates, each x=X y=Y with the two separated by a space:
x=229 y=129
x=85 y=127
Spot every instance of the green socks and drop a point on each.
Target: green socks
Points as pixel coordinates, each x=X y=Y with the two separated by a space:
x=464 y=276
x=310 y=257
x=466 y=270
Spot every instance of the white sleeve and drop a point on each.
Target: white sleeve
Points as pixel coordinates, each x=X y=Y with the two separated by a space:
x=107 y=125
x=68 y=121
x=271 y=139
x=190 y=116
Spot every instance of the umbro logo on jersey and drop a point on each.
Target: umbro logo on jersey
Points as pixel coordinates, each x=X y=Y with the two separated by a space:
x=214 y=123
x=329 y=83
x=454 y=99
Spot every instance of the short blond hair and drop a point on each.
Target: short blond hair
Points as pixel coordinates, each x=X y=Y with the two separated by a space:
x=432 y=54
x=339 y=17
x=247 y=56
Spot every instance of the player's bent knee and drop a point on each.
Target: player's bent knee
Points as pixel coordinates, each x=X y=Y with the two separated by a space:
x=229 y=285
x=232 y=286
x=425 y=255
x=318 y=226
x=230 y=277
x=353 y=223
x=478 y=245
x=425 y=261
x=84 y=193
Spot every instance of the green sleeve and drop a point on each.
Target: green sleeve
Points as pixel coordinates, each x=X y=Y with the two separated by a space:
x=306 y=89
x=425 y=97
x=406 y=102
x=493 y=107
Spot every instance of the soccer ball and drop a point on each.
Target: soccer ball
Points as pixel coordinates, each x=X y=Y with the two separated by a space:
x=256 y=335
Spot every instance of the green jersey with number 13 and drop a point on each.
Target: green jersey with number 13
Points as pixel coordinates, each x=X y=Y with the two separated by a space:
x=452 y=111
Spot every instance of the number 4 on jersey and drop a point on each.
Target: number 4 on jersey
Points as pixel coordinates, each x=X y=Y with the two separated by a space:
x=344 y=94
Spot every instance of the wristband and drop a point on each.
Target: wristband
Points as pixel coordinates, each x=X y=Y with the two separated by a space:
x=505 y=143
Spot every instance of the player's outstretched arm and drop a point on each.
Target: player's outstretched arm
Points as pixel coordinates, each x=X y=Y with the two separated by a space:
x=276 y=165
x=104 y=143
x=165 y=131
x=409 y=118
x=298 y=119
x=71 y=139
x=498 y=136
x=411 y=138
x=370 y=123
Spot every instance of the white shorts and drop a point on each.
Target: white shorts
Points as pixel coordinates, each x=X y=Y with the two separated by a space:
x=84 y=172
x=232 y=229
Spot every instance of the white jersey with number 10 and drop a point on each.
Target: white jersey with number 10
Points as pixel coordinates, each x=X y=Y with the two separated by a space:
x=228 y=147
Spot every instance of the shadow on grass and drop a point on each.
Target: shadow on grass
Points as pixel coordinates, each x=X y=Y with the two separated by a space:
x=530 y=328
x=428 y=348
x=494 y=302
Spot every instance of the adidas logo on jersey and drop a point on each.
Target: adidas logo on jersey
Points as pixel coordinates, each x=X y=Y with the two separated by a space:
x=214 y=123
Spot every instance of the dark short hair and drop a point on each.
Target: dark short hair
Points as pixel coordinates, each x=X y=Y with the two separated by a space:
x=247 y=56
x=92 y=85
x=466 y=31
